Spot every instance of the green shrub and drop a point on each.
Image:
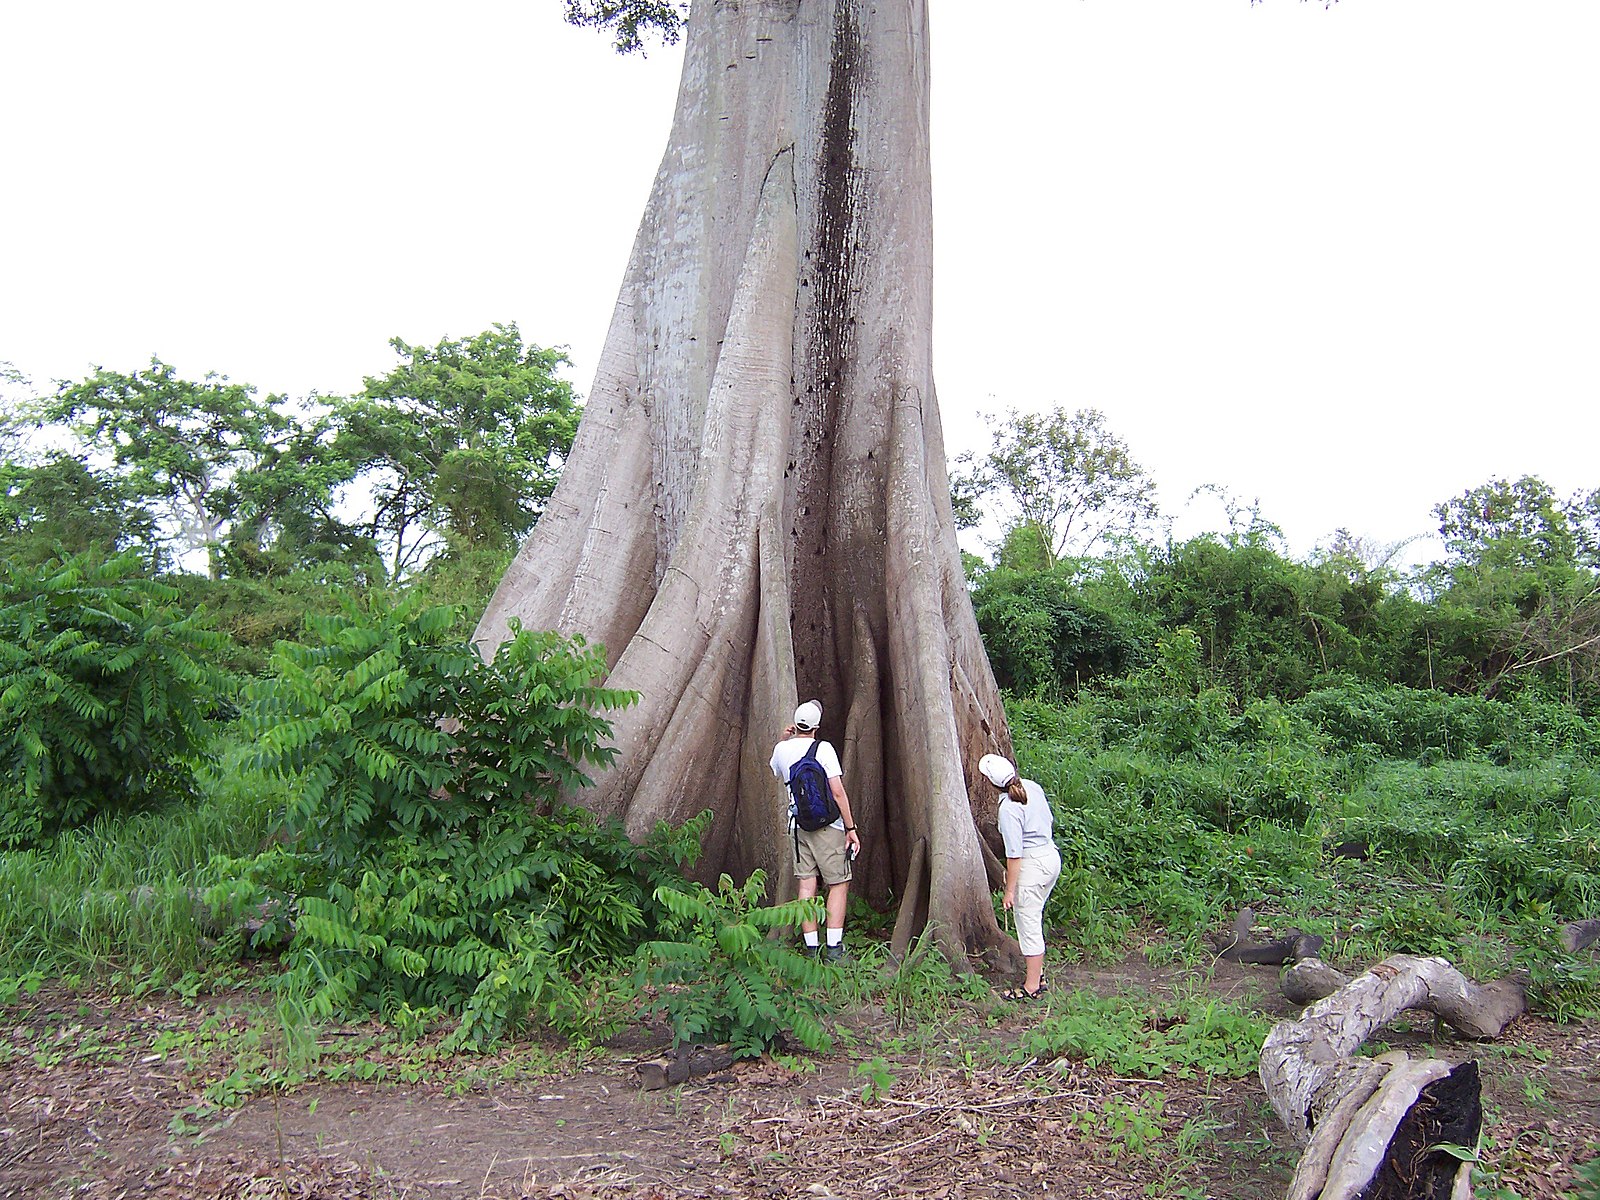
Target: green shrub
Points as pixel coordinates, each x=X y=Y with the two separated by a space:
x=1267 y=626
x=720 y=977
x=106 y=694
x=254 y=614
x=436 y=866
x=1047 y=635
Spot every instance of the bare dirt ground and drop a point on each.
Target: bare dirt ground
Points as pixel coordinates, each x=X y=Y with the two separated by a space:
x=101 y=1100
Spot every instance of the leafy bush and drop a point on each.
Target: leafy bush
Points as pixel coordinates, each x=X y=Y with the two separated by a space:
x=254 y=614
x=1047 y=635
x=436 y=866
x=722 y=978
x=106 y=694
x=1267 y=626
x=1166 y=708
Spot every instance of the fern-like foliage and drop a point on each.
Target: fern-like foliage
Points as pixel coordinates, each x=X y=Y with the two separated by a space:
x=107 y=692
x=439 y=868
x=722 y=977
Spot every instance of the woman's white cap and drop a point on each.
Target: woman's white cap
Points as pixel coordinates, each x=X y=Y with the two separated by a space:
x=808 y=715
x=997 y=770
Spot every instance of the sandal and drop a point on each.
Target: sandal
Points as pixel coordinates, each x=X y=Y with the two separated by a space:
x=1022 y=993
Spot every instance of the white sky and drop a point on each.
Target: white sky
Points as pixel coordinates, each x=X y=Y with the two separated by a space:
x=1344 y=260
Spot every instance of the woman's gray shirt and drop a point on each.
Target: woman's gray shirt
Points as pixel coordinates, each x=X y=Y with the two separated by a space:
x=1026 y=827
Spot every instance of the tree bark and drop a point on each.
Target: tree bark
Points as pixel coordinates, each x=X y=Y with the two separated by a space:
x=756 y=508
x=1372 y=1127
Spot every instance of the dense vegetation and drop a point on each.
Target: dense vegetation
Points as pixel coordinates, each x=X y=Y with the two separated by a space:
x=290 y=751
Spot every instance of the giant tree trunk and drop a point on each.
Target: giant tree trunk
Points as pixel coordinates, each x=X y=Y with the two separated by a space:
x=756 y=508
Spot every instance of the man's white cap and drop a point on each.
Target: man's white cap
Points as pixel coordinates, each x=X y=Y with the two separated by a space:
x=997 y=770
x=808 y=715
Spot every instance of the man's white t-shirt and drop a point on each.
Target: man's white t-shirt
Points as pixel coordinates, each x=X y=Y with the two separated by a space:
x=790 y=751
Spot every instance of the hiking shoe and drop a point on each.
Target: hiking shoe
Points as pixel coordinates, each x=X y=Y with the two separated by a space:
x=834 y=955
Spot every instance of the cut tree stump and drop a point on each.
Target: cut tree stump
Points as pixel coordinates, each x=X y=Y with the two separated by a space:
x=1381 y=1128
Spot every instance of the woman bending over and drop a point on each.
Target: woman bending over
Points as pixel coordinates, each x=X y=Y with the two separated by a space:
x=1033 y=864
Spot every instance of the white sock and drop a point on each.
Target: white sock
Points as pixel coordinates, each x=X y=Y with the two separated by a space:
x=835 y=937
x=811 y=938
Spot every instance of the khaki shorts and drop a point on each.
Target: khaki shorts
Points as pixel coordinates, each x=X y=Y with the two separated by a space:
x=821 y=852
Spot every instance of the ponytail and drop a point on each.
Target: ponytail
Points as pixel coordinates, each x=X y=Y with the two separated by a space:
x=1016 y=791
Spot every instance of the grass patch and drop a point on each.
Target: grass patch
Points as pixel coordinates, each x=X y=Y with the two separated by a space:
x=1182 y=1037
x=1477 y=858
x=121 y=896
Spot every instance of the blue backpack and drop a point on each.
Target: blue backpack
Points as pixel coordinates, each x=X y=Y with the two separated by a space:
x=814 y=805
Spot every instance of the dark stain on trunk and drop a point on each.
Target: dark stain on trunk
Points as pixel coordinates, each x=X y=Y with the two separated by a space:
x=829 y=270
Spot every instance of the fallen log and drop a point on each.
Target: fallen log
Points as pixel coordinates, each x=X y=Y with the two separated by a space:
x=1238 y=947
x=1291 y=947
x=688 y=1062
x=1382 y=1127
x=1475 y=1010
x=209 y=921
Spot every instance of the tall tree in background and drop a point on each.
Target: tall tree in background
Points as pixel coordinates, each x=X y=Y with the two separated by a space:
x=631 y=19
x=179 y=444
x=1068 y=479
x=1521 y=525
x=460 y=444
x=53 y=503
x=756 y=508
x=1530 y=560
x=60 y=505
x=289 y=516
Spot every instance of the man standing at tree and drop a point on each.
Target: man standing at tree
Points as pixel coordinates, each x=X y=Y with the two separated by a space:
x=822 y=848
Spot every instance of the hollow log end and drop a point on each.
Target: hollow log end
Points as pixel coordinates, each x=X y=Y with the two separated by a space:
x=1424 y=1158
